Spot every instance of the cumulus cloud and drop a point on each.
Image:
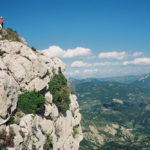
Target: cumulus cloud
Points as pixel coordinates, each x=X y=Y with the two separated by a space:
x=91 y=71
x=107 y=64
x=114 y=55
x=80 y=64
x=138 y=61
x=72 y=73
x=77 y=52
x=84 y=64
x=56 y=51
x=82 y=73
x=136 y=54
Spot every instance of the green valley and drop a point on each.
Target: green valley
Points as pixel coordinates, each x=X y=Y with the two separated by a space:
x=115 y=115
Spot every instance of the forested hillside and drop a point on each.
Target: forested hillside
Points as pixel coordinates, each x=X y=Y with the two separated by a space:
x=115 y=115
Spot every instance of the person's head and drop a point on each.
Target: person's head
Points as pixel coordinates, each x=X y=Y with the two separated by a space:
x=1 y=16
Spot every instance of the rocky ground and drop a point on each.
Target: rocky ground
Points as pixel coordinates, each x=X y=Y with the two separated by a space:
x=21 y=70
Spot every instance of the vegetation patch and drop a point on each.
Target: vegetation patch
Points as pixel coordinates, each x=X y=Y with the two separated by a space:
x=11 y=121
x=48 y=144
x=6 y=140
x=22 y=134
x=10 y=35
x=1 y=52
x=33 y=48
x=31 y=102
x=18 y=52
x=75 y=132
x=58 y=87
x=46 y=74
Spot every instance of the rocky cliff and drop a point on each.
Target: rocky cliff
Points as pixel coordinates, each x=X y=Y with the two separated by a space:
x=23 y=70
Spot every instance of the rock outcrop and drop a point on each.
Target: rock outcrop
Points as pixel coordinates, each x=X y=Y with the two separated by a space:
x=21 y=70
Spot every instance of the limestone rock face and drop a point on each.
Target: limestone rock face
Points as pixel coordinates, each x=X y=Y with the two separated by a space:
x=21 y=70
x=8 y=95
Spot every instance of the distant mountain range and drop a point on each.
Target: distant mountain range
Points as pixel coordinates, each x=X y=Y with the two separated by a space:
x=121 y=79
x=115 y=112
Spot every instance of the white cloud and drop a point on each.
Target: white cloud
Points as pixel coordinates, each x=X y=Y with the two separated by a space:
x=107 y=64
x=56 y=51
x=77 y=52
x=136 y=54
x=114 y=55
x=84 y=64
x=91 y=71
x=90 y=57
x=82 y=73
x=138 y=61
x=72 y=73
x=80 y=64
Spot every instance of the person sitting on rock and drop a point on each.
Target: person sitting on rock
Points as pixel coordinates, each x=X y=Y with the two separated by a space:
x=1 y=21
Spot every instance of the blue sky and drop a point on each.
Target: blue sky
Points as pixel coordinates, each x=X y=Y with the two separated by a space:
x=95 y=38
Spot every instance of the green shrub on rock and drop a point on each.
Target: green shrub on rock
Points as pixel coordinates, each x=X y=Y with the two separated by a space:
x=11 y=35
x=48 y=144
x=33 y=48
x=31 y=102
x=58 y=87
x=1 y=52
x=7 y=140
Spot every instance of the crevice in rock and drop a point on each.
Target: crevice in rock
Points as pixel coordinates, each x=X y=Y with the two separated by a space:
x=4 y=118
x=43 y=91
x=27 y=58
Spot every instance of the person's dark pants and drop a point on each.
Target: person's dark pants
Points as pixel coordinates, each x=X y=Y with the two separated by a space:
x=1 y=25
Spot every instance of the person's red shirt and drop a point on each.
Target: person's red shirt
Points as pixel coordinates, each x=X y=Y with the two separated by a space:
x=1 y=20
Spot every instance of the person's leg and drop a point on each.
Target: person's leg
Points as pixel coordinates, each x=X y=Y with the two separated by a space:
x=2 y=25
